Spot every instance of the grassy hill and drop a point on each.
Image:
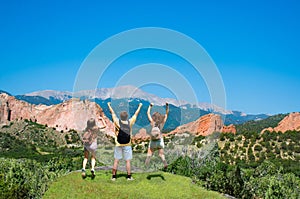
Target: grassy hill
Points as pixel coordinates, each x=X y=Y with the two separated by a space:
x=145 y=185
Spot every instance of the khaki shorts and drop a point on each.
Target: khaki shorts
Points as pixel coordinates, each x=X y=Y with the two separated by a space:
x=123 y=152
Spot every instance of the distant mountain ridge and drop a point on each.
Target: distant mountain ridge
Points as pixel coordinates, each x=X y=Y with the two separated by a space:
x=105 y=93
x=184 y=112
x=129 y=92
x=128 y=97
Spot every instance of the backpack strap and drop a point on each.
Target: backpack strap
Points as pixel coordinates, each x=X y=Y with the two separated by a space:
x=121 y=123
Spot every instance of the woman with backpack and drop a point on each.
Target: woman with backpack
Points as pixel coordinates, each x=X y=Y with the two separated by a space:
x=157 y=121
x=89 y=140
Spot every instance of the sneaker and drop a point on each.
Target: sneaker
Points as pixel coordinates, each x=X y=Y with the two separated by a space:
x=93 y=173
x=165 y=168
x=113 y=179
x=83 y=174
x=131 y=178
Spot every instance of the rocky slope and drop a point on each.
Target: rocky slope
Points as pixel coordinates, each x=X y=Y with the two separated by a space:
x=71 y=114
x=205 y=125
x=290 y=122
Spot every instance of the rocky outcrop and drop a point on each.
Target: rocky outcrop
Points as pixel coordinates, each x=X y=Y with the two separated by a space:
x=204 y=126
x=72 y=114
x=229 y=129
x=141 y=136
x=290 y=122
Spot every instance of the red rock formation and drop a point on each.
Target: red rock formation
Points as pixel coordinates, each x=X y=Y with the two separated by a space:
x=204 y=126
x=141 y=136
x=229 y=129
x=72 y=114
x=290 y=122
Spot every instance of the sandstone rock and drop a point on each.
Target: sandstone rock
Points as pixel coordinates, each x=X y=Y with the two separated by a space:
x=290 y=122
x=204 y=126
x=71 y=114
x=229 y=129
x=141 y=136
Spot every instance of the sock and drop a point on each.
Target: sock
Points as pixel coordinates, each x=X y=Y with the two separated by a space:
x=128 y=176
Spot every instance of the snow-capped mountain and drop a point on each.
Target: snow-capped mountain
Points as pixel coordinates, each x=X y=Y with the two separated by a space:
x=48 y=94
x=121 y=92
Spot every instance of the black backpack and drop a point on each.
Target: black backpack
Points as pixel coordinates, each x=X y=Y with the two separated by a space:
x=124 y=133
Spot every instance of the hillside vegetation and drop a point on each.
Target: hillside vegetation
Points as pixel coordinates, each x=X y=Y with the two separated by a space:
x=35 y=158
x=256 y=126
x=33 y=155
x=283 y=149
x=247 y=164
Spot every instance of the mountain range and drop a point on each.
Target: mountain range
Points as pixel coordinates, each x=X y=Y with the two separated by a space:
x=127 y=97
x=120 y=92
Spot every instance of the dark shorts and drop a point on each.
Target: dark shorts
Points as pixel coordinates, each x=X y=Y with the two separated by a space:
x=157 y=144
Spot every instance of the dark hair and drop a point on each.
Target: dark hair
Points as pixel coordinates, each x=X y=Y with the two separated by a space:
x=158 y=118
x=124 y=115
x=90 y=124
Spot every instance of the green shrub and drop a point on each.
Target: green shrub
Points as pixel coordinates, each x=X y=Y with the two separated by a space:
x=23 y=178
x=257 y=148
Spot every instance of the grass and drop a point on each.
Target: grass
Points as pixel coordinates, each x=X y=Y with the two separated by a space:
x=144 y=186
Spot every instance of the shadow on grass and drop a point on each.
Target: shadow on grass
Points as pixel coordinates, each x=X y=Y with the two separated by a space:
x=156 y=176
x=121 y=175
x=89 y=176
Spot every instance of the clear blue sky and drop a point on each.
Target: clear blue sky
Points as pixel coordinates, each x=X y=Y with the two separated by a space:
x=255 y=44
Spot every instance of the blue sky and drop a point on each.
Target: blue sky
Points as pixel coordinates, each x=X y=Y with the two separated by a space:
x=254 y=44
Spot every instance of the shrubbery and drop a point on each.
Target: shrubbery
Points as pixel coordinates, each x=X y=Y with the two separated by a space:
x=265 y=181
x=25 y=178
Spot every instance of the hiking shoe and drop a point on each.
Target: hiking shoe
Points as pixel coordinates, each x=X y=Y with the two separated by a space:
x=129 y=179
x=83 y=174
x=165 y=168
x=93 y=173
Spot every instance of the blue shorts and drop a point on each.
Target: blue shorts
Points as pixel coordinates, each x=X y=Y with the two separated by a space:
x=123 y=152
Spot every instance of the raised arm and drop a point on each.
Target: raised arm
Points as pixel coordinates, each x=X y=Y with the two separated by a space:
x=138 y=110
x=103 y=123
x=113 y=114
x=149 y=114
x=167 y=112
x=110 y=108
x=133 y=118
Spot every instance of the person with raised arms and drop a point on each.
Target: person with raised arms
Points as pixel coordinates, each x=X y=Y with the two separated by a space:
x=123 y=134
x=157 y=122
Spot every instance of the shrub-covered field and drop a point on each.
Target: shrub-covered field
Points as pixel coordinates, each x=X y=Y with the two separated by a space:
x=245 y=165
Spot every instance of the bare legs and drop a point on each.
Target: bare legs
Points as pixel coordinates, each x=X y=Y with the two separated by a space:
x=93 y=162
x=85 y=160
x=115 y=168
x=161 y=155
x=149 y=155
